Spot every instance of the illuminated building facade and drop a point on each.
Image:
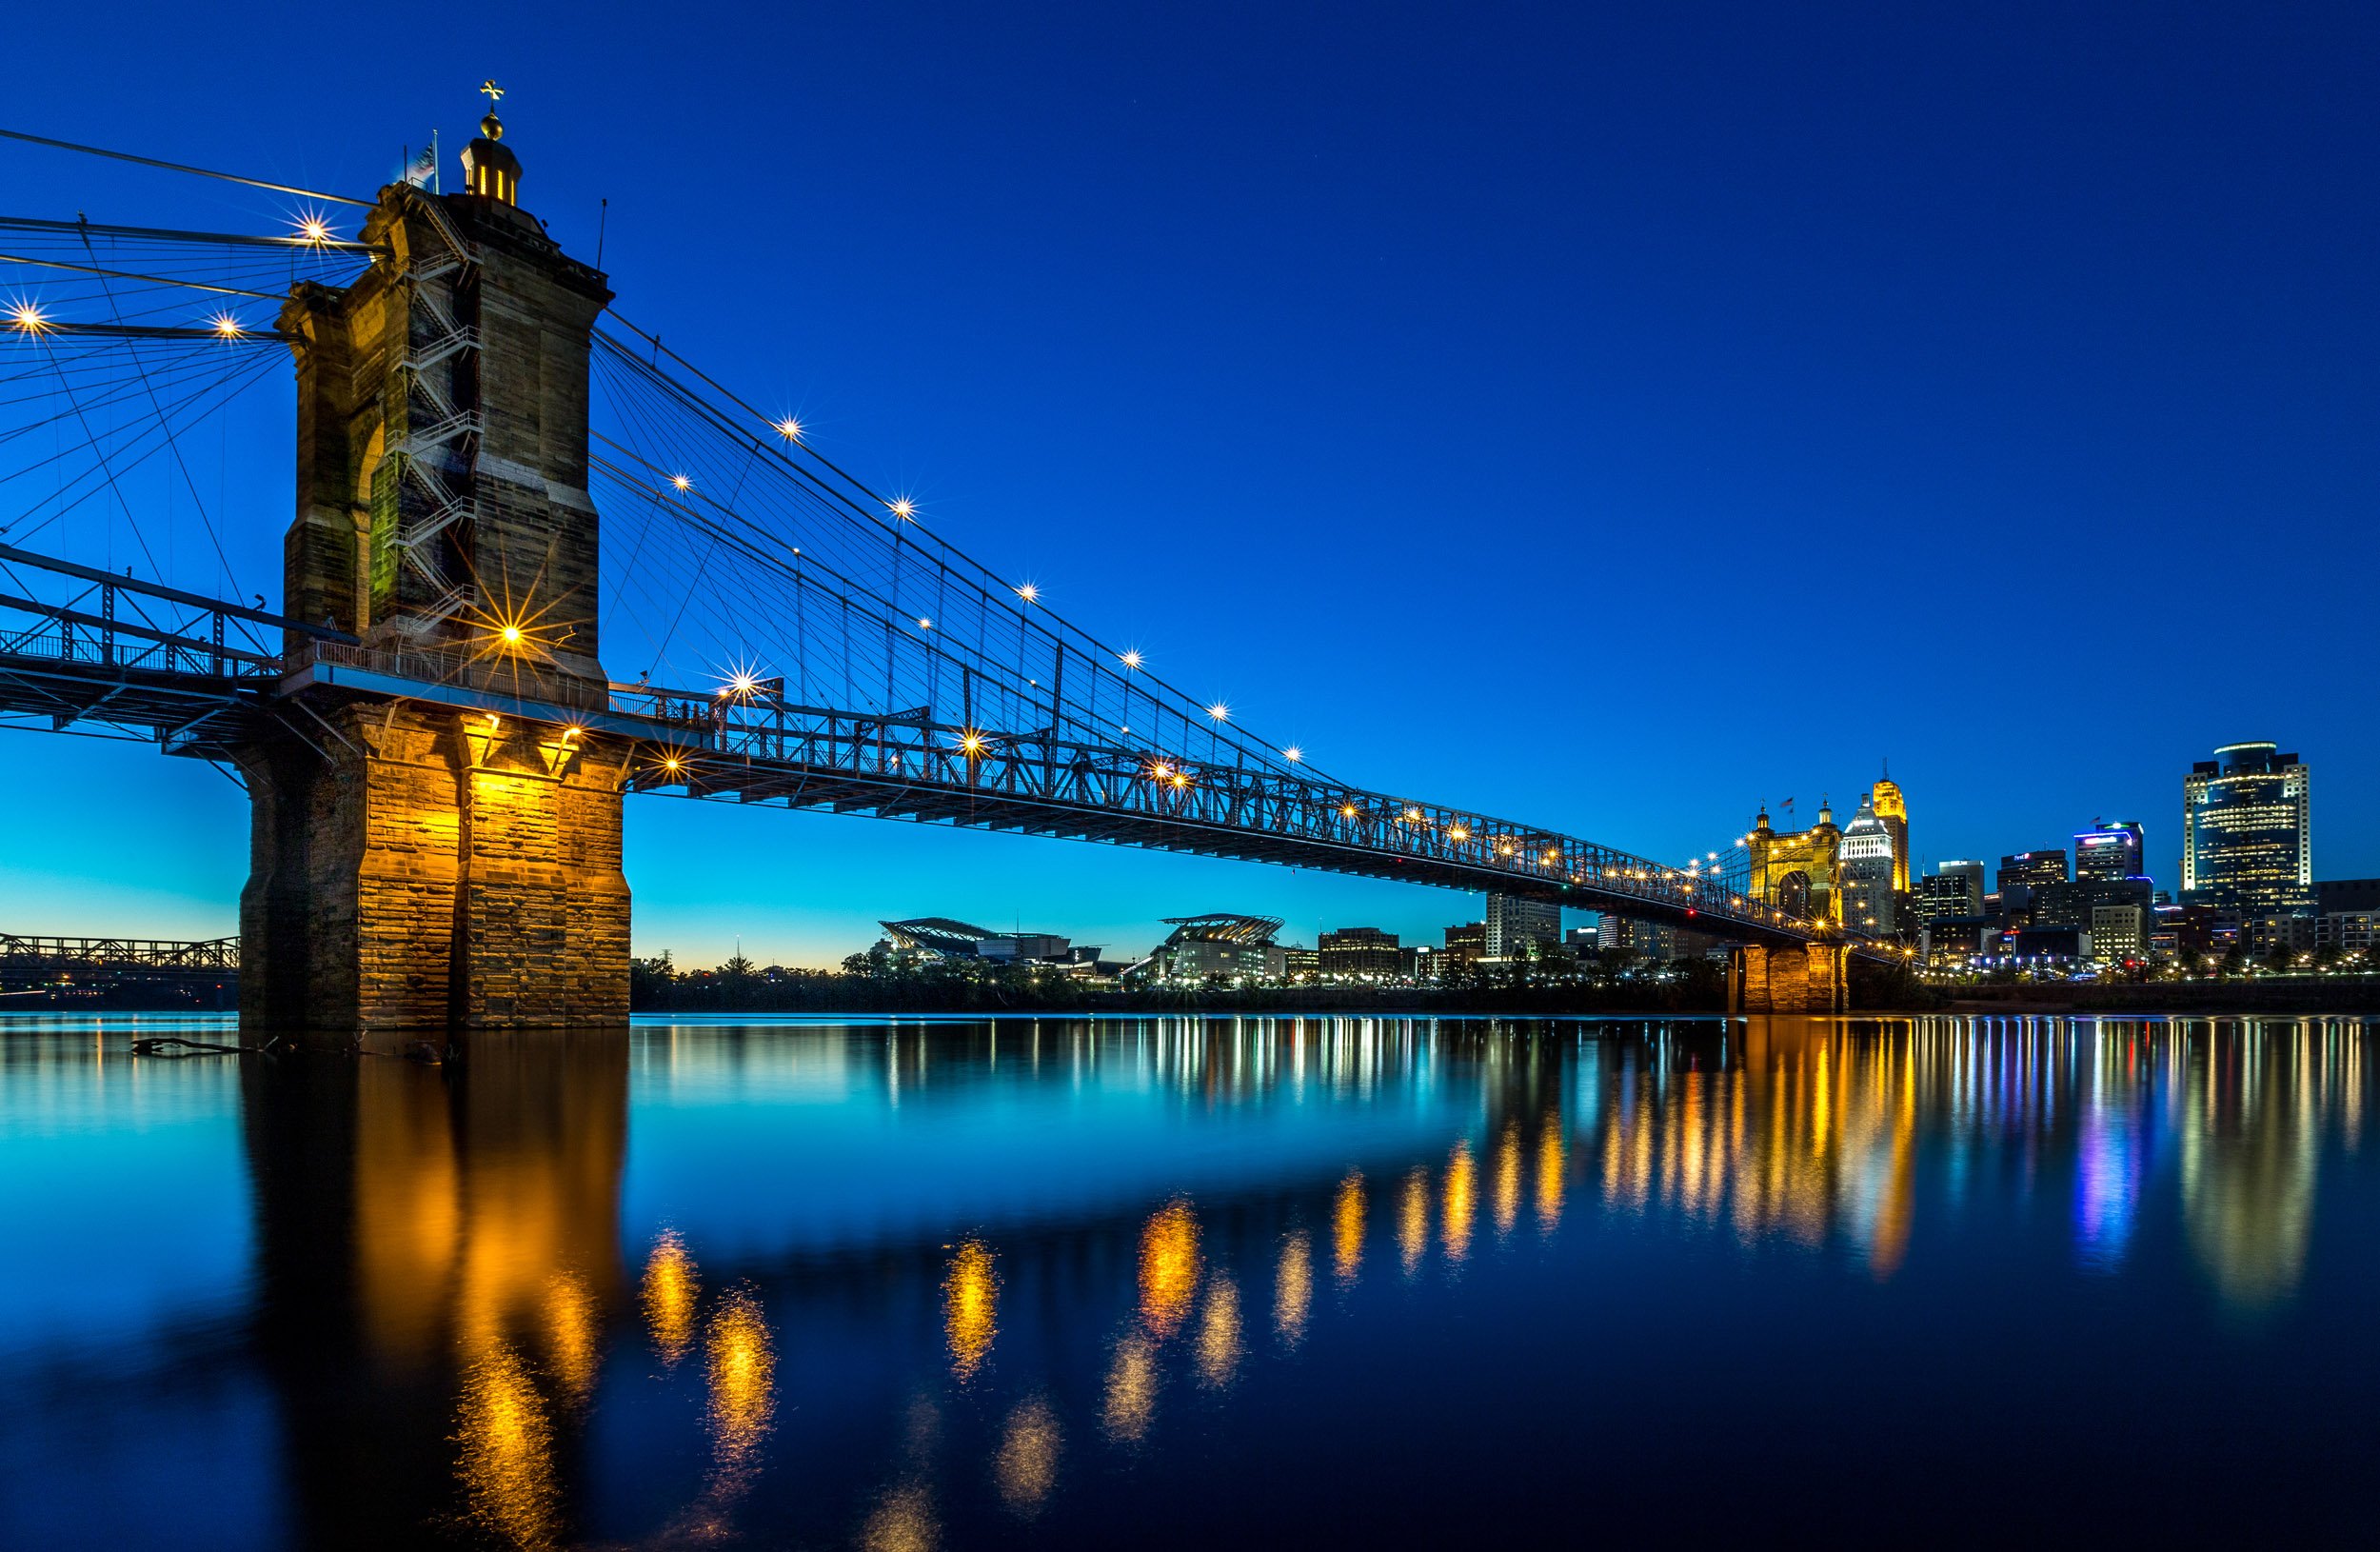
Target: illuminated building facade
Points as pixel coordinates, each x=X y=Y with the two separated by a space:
x=1218 y=945
x=1653 y=941
x=1794 y=870
x=2119 y=933
x=1465 y=944
x=1515 y=928
x=1361 y=953
x=2108 y=852
x=2023 y=875
x=1891 y=811
x=1954 y=889
x=2072 y=904
x=2032 y=869
x=2248 y=830
x=1867 y=866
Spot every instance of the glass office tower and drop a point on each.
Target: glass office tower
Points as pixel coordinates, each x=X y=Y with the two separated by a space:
x=2248 y=832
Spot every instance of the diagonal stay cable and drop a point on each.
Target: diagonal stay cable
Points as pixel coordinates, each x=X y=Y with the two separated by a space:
x=166 y=422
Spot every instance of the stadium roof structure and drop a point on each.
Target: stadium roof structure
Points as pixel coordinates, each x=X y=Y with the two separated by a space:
x=937 y=935
x=1223 y=926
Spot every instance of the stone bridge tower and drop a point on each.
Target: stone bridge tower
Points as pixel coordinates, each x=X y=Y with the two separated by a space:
x=425 y=865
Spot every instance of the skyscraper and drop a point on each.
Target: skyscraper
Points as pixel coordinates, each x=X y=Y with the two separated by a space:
x=2030 y=869
x=2106 y=852
x=1868 y=867
x=1953 y=889
x=1892 y=811
x=2248 y=830
x=1515 y=926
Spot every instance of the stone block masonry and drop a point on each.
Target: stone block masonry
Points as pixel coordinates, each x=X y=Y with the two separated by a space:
x=1787 y=980
x=427 y=871
x=422 y=869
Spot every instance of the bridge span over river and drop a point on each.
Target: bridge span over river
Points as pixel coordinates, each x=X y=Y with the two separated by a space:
x=434 y=748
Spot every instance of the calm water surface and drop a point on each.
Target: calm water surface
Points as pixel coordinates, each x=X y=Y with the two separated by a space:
x=1177 y=1282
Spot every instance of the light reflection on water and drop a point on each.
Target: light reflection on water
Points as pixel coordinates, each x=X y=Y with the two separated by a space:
x=944 y=1282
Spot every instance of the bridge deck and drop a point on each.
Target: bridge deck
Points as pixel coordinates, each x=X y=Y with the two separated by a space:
x=66 y=668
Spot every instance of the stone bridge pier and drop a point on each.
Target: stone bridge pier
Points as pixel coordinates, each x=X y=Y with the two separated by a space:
x=1809 y=977
x=422 y=867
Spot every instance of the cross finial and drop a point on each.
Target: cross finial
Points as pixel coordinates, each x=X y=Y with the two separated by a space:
x=491 y=92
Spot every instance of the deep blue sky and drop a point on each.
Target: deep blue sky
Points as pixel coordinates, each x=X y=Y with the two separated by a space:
x=1609 y=417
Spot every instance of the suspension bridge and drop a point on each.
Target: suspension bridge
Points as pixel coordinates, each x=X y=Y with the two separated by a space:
x=430 y=724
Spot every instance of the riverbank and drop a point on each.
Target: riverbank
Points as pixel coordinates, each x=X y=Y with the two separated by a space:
x=850 y=995
x=2261 y=994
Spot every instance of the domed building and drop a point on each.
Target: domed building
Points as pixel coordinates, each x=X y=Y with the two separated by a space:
x=1868 y=861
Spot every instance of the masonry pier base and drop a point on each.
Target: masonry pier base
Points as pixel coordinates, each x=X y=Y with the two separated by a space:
x=417 y=872
x=1803 y=978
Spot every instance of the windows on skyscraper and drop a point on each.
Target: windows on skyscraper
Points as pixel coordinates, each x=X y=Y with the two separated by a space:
x=2248 y=830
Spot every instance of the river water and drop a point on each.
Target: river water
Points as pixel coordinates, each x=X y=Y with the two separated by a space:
x=1180 y=1282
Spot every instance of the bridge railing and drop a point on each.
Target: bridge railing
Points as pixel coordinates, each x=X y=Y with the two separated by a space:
x=757 y=749
x=92 y=619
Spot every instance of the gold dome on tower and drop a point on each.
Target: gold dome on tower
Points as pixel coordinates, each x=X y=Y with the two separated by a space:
x=491 y=169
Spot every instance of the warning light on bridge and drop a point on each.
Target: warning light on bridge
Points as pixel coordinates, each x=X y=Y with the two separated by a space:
x=313 y=228
x=227 y=327
x=682 y=482
x=27 y=317
x=789 y=428
x=1131 y=658
x=1219 y=712
x=971 y=744
x=511 y=635
x=1458 y=833
x=1292 y=754
x=904 y=509
x=1029 y=592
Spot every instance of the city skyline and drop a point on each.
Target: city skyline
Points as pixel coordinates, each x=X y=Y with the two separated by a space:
x=1612 y=417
